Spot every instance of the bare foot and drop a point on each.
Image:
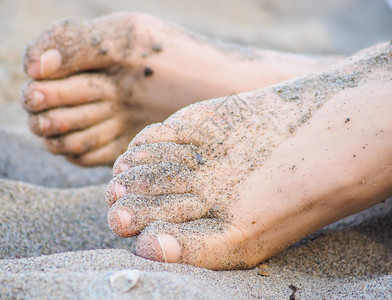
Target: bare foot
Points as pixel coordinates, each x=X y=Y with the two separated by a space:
x=228 y=183
x=97 y=83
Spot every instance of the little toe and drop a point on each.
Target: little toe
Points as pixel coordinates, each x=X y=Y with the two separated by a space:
x=64 y=120
x=156 y=179
x=180 y=127
x=158 y=153
x=92 y=138
x=128 y=216
x=75 y=90
x=156 y=133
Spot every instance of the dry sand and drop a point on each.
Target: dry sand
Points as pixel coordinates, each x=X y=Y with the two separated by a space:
x=54 y=239
x=349 y=259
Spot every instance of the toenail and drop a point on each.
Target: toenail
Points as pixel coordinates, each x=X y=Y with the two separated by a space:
x=120 y=190
x=50 y=62
x=44 y=124
x=163 y=248
x=124 y=167
x=38 y=98
x=170 y=248
x=125 y=218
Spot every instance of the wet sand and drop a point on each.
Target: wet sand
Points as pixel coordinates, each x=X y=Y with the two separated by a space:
x=54 y=237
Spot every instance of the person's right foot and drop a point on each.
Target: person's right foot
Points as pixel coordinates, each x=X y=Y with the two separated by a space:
x=97 y=83
x=227 y=183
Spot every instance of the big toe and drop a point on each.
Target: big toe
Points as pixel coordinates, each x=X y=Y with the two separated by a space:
x=208 y=243
x=68 y=47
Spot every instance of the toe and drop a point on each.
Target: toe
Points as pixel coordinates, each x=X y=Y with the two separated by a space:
x=68 y=47
x=105 y=155
x=63 y=120
x=132 y=213
x=156 y=179
x=156 y=133
x=158 y=153
x=92 y=138
x=76 y=90
x=207 y=243
x=196 y=124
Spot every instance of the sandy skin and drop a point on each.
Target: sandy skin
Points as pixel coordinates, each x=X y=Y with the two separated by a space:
x=225 y=183
x=230 y=182
x=96 y=84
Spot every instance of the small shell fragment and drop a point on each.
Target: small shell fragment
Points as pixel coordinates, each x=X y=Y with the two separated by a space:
x=263 y=273
x=263 y=270
x=123 y=281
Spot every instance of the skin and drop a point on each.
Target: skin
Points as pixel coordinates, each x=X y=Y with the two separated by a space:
x=230 y=182
x=224 y=183
x=94 y=85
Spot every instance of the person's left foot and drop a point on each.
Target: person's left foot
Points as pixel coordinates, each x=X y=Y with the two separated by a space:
x=98 y=83
x=228 y=183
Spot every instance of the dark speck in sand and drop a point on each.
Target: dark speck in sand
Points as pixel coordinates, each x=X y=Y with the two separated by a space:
x=293 y=288
x=347 y=120
x=148 y=72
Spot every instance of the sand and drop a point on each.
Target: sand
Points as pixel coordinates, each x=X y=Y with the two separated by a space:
x=54 y=239
x=349 y=259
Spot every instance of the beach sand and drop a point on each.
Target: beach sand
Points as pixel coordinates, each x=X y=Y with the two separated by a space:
x=54 y=239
